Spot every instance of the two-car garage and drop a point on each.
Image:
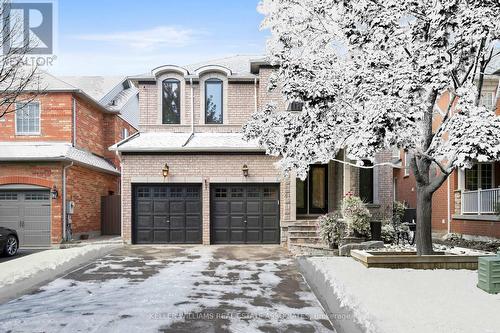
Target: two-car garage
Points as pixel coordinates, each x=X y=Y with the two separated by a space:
x=239 y=214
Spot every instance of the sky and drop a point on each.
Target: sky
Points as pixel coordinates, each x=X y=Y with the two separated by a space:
x=125 y=37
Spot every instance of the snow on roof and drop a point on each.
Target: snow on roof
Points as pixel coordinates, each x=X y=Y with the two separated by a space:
x=50 y=151
x=95 y=86
x=122 y=98
x=179 y=142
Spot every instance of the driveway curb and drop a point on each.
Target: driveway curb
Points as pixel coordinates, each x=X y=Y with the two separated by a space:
x=341 y=318
x=27 y=285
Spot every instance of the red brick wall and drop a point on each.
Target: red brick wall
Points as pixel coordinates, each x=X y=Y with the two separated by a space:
x=478 y=228
x=41 y=174
x=85 y=188
x=55 y=120
x=406 y=190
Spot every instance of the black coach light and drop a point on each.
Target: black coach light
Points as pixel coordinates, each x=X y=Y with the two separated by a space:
x=165 y=170
x=245 y=170
x=53 y=192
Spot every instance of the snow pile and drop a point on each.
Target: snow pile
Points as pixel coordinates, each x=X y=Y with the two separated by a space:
x=25 y=267
x=406 y=300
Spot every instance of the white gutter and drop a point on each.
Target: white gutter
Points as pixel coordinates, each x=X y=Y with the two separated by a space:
x=65 y=217
x=74 y=122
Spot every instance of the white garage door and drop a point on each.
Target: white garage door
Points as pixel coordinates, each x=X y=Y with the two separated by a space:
x=27 y=212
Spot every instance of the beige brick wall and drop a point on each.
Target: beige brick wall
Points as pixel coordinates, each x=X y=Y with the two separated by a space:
x=203 y=169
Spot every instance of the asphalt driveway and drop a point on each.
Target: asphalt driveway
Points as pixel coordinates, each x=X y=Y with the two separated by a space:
x=174 y=289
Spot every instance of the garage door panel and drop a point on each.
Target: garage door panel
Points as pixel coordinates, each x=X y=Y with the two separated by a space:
x=221 y=207
x=253 y=221
x=270 y=236
x=163 y=213
x=253 y=236
x=253 y=207
x=270 y=222
x=221 y=236
x=160 y=221
x=144 y=207
x=177 y=236
x=144 y=236
x=177 y=207
x=160 y=207
x=193 y=207
x=237 y=207
x=160 y=236
x=269 y=207
x=35 y=238
x=193 y=236
x=237 y=221
x=177 y=222
x=237 y=236
x=193 y=221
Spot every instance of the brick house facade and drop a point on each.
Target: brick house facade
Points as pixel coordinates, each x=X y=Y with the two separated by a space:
x=241 y=197
x=455 y=203
x=66 y=152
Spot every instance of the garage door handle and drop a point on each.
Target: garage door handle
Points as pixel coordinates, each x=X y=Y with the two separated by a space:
x=245 y=221
x=168 y=221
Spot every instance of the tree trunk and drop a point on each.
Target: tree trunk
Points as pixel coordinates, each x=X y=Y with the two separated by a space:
x=424 y=221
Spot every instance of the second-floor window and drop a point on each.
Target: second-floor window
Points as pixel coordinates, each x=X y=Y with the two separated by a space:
x=479 y=176
x=171 y=101
x=213 y=101
x=28 y=118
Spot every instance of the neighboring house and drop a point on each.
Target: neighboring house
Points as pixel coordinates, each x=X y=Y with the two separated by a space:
x=188 y=177
x=467 y=202
x=54 y=159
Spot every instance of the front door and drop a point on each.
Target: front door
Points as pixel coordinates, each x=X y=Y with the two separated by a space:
x=312 y=193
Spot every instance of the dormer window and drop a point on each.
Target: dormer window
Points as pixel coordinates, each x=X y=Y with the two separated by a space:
x=171 y=101
x=213 y=101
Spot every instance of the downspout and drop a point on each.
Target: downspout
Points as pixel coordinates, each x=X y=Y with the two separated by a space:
x=192 y=113
x=255 y=93
x=74 y=122
x=64 y=203
x=449 y=204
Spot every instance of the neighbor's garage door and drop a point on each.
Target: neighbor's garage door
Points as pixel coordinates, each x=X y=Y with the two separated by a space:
x=27 y=212
x=167 y=214
x=243 y=213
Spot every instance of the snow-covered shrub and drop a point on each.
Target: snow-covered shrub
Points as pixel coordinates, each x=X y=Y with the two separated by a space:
x=398 y=211
x=388 y=233
x=332 y=228
x=356 y=215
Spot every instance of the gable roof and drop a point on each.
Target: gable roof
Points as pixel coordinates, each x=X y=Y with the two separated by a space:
x=95 y=86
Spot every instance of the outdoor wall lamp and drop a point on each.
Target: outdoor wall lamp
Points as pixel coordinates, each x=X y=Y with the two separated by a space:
x=245 y=170
x=53 y=192
x=165 y=170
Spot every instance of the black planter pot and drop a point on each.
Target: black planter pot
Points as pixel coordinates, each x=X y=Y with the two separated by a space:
x=376 y=230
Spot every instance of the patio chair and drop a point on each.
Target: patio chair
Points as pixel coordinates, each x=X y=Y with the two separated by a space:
x=405 y=229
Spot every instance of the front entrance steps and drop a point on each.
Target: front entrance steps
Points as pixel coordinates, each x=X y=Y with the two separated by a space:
x=302 y=238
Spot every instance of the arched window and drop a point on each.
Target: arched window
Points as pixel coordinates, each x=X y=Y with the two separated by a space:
x=213 y=101
x=171 y=101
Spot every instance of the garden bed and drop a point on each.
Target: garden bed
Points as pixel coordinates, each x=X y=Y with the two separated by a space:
x=409 y=259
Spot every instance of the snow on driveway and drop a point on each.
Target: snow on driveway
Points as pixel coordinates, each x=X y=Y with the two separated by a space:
x=411 y=301
x=174 y=289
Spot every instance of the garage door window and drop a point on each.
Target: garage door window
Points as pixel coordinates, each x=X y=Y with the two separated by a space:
x=220 y=193
x=36 y=196
x=8 y=196
x=143 y=193
x=192 y=193
x=160 y=192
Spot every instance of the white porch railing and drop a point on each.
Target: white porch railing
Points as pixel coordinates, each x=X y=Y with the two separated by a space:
x=480 y=201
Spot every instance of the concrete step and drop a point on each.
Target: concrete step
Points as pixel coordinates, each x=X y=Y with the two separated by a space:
x=304 y=239
x=302 y=233
x=302 y=228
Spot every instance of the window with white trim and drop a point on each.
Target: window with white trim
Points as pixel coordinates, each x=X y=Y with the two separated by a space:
x=124 y=133
x=488 y=100
x=480 y=176
x=407 y=164
x=28 y=118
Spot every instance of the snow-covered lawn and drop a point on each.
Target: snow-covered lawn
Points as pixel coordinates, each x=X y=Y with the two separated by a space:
x=407 y=300
x=28 y=266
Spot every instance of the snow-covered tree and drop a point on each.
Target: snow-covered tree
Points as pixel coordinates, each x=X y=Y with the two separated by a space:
x=369 y=74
